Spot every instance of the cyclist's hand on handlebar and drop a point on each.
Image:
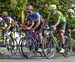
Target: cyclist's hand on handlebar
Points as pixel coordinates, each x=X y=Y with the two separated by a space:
x=27 y=28
x=33 y=30
x=54 y=27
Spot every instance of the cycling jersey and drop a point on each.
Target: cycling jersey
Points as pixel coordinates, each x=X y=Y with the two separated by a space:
x=71 y=21
x=34 y=17
x=58 y=15
x=8 y=21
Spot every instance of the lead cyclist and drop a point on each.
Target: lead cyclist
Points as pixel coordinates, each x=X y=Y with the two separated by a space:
x=58 y=22
x=34 y=23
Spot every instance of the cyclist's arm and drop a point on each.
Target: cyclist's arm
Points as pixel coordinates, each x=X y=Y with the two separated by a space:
x=37 y=16
x=57 y=23
x=32 y=25
x=37 y=24
x=9 y=26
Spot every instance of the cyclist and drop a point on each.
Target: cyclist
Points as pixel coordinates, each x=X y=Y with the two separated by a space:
x=7 y=20
x=71 y=21
x=34 y=22
x=71 y=18
x=9 y=24
x=58 y=22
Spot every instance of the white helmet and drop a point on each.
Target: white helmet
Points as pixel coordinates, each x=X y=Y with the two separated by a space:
x=53 y=6
x=70 y=10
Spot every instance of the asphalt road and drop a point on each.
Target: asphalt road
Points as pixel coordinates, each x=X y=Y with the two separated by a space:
x=7 y=57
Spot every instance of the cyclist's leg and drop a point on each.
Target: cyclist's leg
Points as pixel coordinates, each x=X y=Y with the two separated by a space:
x=39 y=36
x=61 y=28
x=12 y=37
x=40 y=40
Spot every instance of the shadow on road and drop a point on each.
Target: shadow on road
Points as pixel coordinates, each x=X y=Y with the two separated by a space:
x=18 y=57
x=8 y=56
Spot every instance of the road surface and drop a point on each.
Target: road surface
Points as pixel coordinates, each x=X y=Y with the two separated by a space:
x=7 y=57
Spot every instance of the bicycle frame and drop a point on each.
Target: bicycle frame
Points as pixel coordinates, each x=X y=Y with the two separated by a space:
x=54 y=38
x=31 y=35
x=73 y=41
x=31 y=38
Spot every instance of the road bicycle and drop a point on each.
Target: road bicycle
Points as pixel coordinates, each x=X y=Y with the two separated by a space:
x=13 y=44
x=30 y=44
x=52 y=44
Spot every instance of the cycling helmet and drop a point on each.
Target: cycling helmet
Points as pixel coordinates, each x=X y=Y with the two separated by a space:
x=70 y=11
x=4 y=13
x=53 y=6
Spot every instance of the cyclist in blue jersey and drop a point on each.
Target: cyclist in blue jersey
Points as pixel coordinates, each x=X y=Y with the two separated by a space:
x=34 y=22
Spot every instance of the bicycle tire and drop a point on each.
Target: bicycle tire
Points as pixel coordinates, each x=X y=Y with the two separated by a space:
x=20 y=51
x=29 y=53
x=50 y=45
x=14 y=51
x=68 y=47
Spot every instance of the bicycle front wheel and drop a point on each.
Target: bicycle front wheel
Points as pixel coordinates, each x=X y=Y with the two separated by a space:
x=68 y=46
x=49 y=48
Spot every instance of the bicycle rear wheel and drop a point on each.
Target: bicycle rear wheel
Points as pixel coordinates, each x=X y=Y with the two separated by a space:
x=68 y=47
x=26 y=48
x=49 y=48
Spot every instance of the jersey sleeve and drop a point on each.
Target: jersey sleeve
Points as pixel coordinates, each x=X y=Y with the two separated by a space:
x=61 y=17
x=37 y=16
x=59 y=14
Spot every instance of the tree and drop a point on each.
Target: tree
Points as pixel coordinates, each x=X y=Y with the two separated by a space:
x=15 y=6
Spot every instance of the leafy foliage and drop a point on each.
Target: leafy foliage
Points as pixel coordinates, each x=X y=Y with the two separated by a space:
x=16 y=6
